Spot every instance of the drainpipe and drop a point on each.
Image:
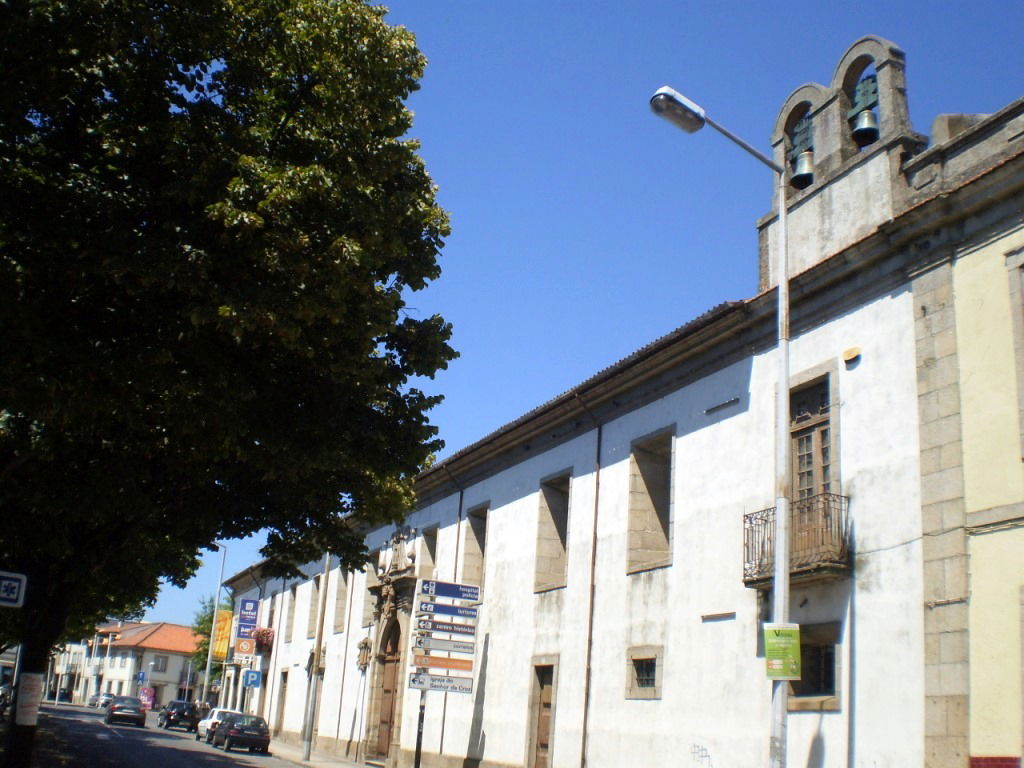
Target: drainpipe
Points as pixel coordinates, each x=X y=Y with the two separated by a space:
x=314 y=673
x=585 y=734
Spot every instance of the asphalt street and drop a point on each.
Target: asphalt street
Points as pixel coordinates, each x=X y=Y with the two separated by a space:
x=78 y=738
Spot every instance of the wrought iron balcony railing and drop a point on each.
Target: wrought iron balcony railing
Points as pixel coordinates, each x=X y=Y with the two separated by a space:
x=819 y=541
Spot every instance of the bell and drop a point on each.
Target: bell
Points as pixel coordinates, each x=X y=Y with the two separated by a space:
x=803 y=171
x=865 y=128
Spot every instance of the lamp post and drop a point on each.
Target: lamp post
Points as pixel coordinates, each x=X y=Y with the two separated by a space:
x=213 y=624
x=684 y=114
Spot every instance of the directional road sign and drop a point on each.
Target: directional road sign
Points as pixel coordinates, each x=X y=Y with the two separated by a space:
x=450 y=589
x=423 y=660
x=436 y=644
x=426 y=682
x=12 y=589
x=433 y=625
x=447 y=610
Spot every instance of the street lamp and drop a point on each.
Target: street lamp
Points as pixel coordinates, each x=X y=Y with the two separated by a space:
x=213 y=623
x=683 y=113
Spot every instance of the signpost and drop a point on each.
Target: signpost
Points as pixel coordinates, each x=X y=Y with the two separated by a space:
x=12 y=589
x=245 y=645
x=442 y=598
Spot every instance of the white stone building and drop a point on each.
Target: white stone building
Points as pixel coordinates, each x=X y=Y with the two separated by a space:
x=621 y=532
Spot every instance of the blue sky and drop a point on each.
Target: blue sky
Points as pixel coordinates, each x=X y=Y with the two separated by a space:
x=584 y=227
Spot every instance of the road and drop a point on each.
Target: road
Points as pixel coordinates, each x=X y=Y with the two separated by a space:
x=94 y=744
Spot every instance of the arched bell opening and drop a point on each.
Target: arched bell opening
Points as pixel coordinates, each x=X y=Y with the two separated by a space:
x=861 y=103
x=799 y=134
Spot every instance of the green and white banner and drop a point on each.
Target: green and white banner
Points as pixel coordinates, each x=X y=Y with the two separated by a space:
x=782 y=651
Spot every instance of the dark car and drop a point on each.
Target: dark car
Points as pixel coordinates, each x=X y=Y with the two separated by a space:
x=126 y=708
x=243 y=731
x=180 y=714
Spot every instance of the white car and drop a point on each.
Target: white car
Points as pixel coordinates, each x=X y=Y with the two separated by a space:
x=209 y=723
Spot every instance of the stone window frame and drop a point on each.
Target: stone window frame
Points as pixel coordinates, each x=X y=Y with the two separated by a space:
x=476 y=519
x=828 y=370
x=821 y=634
x=635 y=653
x=426 y=556
x=543 y=579
x=341 y=599
x=289 y=621
x=640 y=444
x=370 y=571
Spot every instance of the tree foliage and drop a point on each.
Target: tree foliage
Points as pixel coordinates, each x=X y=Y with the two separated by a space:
x=212 y=220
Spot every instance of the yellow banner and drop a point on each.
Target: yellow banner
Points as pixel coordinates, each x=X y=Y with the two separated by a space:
x=222 y=635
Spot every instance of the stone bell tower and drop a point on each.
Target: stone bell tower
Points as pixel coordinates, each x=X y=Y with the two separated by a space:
x=843 y=146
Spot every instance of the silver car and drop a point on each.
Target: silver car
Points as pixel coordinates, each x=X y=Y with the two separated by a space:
x=209 y=723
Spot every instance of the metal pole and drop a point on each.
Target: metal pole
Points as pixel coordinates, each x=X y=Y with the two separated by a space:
x=213 y=624
x=783 y=481
x=314 y=672
x=419 y=729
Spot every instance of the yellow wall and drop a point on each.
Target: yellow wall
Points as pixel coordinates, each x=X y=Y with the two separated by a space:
x=993 y=479
x=997 y=576
x=993 y=473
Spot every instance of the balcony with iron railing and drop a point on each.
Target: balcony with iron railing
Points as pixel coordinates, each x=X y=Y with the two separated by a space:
x=820 y=544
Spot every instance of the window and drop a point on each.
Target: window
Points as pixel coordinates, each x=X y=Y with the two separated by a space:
x=811 y=435
x=650 y=476
x=818 y=686
x=552 y=533
x=289 y=619
x=369 y=599
x=643 y=672
x=426 y=563
x=340 y=599
x=314 y=606
x=124 y=660
x=475 y=546
x=159 y=663
x=273 y=610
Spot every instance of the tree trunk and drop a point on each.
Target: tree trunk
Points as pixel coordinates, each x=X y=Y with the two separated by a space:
x=42 y=625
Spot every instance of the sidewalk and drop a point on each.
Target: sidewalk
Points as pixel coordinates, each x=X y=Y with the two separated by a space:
x=293 y=754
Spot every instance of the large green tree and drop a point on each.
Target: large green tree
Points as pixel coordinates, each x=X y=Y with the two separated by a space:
x=211 y=222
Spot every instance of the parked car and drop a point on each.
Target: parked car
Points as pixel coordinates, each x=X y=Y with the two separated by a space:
x=243 y=731
x=93 y=700
x=105 y=699
x=178 y=713
x=126 y=708
x=206 y=726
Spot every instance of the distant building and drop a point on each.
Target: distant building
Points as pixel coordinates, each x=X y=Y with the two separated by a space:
x=622 y=533
x=124 y=658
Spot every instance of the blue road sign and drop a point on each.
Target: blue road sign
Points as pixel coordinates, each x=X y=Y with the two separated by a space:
x=447 y=610
x=12 y=589
x=252 y=678
x=450 y=589
x=247 y=612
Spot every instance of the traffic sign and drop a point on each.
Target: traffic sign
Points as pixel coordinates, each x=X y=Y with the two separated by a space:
x=447 y=610
x=433 y=625
x=451 y=589
x=423 y=660
x=432 y=643
x=245 y=646
x=252 y=678
x=247 y=611
x=426 y=682
x=12 y=589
